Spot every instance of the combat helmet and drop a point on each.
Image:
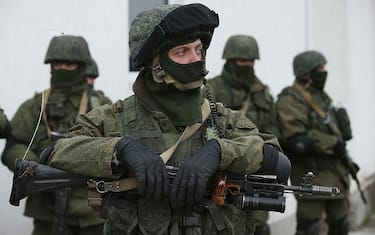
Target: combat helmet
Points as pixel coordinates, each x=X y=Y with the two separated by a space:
x=68 y=48
x=91 y=69
x=307 y=61
x=150 y=28
x=241 y=47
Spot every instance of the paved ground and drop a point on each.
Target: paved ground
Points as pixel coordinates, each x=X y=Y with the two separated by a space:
x=367 y=229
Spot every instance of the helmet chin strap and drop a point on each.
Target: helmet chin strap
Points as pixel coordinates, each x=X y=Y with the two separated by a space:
x=160 y=75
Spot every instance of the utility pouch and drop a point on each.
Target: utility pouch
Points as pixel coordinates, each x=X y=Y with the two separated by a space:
x=343 y=123
x=94 y=197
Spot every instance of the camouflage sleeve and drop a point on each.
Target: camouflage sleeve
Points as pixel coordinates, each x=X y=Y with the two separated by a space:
x=86 y=150
x=242 y=147
x=23 y=125
x=294 y=120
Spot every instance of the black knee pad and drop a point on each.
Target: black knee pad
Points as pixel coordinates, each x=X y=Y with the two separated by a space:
x=262 y=229
x=339 y=227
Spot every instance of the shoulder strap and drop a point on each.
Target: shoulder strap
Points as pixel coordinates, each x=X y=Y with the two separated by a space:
x=83 y=104
x=189 y=131
x=46 y=94
x=322 y=114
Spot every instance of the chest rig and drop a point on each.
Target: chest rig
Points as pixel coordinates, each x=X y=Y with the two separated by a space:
x=156 y=132
x=61 y=110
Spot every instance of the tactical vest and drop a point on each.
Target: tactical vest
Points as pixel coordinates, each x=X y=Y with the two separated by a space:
x=125 y=213
x=256 y=103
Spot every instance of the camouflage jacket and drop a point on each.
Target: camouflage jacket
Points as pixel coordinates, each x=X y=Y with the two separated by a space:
x=3 y=123
x=257 y=102
x=97 y=132
x=61 y=112
x=297 y=117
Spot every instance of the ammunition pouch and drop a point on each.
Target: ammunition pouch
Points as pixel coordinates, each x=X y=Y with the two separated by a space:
x=343 y=123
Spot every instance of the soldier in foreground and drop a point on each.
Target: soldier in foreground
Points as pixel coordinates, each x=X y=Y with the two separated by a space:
x=314 y=133
x=136 y=137
x=239 y=88
x=63 y=211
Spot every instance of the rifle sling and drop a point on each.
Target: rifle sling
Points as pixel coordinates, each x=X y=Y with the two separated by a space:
x=322 y=114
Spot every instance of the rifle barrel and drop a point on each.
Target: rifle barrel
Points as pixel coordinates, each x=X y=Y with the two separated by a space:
x=313 y=190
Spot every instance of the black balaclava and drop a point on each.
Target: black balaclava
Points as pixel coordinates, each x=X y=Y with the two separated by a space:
x=318 y=79
x=67 y=80
x=240 y=76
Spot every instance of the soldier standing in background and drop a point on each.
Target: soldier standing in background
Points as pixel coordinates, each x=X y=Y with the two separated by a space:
x=92 y=73
x=62 y=211
x=313 y=135
x=130 y=137
x=239 y=88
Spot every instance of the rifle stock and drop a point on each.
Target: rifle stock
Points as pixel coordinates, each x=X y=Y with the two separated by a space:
x=30 y=178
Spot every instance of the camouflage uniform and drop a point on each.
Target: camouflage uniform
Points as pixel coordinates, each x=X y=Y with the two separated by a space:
x=247 y=94
x=312 y=146
x=61 y=110
x=93 y=147
x=5 y=127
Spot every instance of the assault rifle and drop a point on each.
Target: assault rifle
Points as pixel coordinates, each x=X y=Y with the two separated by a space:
x=254 y=192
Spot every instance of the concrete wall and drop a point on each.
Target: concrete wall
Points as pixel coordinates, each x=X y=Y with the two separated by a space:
x=344 y=30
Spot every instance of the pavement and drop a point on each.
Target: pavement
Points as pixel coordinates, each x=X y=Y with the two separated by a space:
x=367 y=229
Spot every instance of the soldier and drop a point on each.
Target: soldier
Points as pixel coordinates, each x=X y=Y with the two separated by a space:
x=130 y=137
x=313 y=135
x=239 y=88
x=92 y=73
x=63 y=211
x=5 y=127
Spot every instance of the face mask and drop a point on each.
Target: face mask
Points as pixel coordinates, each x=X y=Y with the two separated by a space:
x=65 y=78
x=244 y=72
x=184 y=73
x=319 y=79
x=240 y=75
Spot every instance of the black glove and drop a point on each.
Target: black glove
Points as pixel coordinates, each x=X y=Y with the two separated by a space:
x=275 y=163
x=149 y=168
x=339 y=149
x=191 y=180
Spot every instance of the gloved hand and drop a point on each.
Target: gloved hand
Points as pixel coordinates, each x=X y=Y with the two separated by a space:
x=191 y=180
x=149 y=168
x=339 y=149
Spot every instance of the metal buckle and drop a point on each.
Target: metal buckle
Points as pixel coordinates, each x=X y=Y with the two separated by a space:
x=103 y=187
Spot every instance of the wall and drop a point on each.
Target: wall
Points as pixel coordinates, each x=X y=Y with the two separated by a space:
x=343 y=30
